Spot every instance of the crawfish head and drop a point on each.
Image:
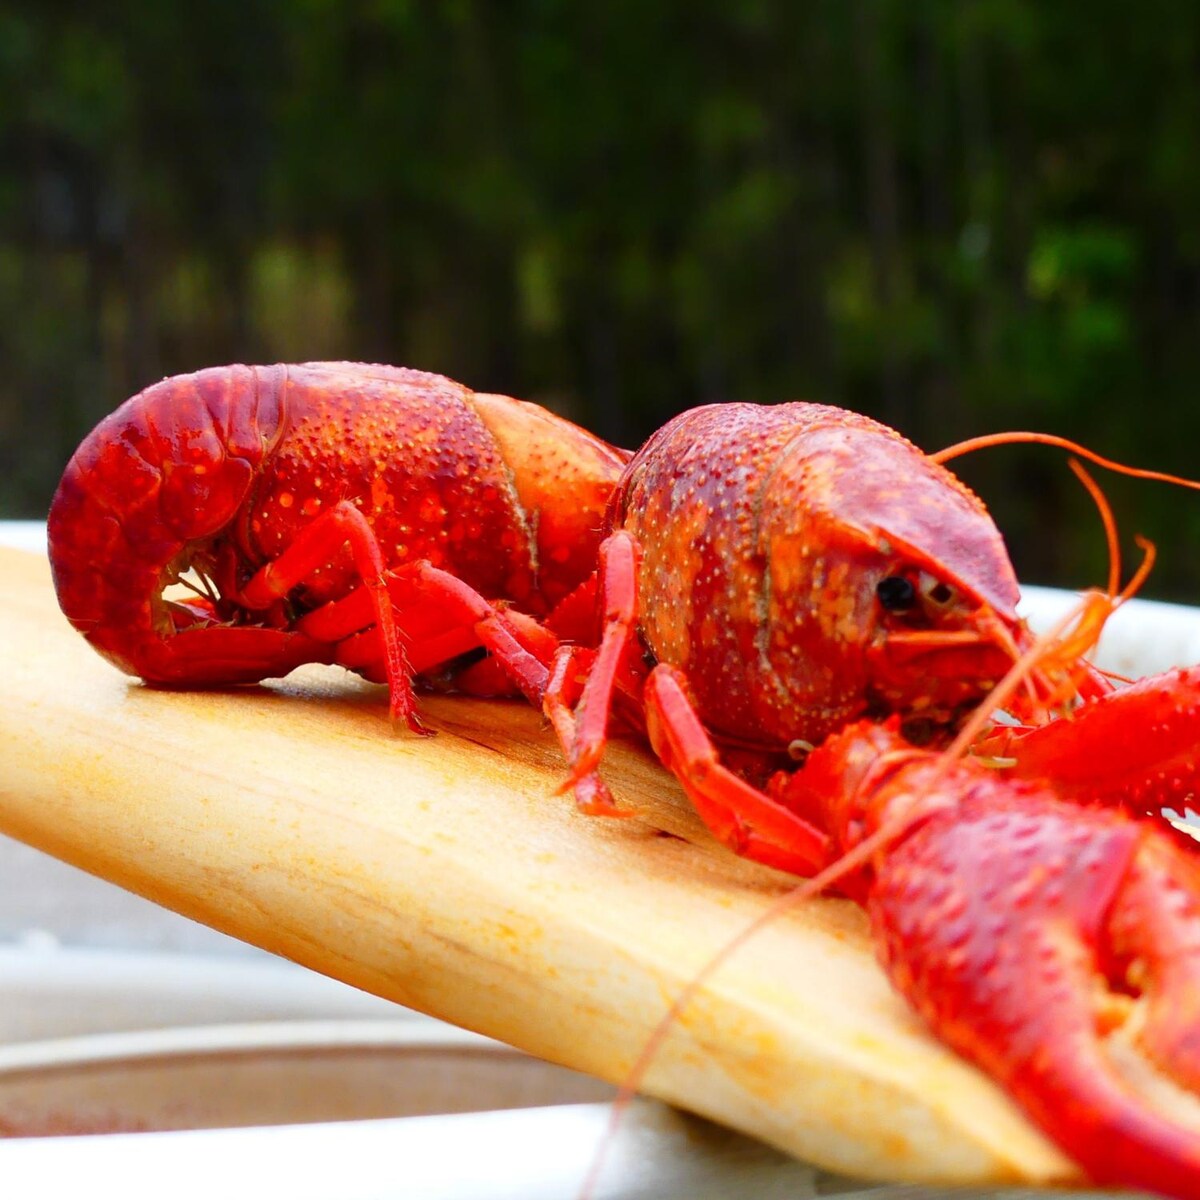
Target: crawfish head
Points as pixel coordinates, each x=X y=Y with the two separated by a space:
x=804 y=566
x=904 y=568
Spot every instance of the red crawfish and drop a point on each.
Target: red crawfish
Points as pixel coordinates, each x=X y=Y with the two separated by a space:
x=785 y=571
x=772 y=576
x=385 y=519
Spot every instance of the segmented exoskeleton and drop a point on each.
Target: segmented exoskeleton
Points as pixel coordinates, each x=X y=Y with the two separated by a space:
x=296 y=493
x=759 y=588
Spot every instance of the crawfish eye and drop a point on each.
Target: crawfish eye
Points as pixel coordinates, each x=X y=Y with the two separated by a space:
x=939 y=594
x=896 y=593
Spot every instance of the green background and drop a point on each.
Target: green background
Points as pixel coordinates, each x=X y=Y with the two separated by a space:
x=956 y=215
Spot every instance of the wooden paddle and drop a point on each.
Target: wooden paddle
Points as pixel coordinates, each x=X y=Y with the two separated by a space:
x=445 y=873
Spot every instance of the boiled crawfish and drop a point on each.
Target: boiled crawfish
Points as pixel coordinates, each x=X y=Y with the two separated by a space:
x=334 y=513
x=757 y=587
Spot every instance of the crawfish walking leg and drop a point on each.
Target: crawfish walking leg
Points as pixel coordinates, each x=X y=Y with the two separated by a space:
x=438 y=618
x=467 y=607
x=568 y=676
x=748 y=821
x=579 y=698
x=315 y=545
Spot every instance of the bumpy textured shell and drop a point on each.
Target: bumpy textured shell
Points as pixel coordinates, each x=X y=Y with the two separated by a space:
x=765 y=532
x=235 y=460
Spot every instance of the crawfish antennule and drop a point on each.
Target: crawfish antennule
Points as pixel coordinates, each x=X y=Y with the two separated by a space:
x=1026 y=931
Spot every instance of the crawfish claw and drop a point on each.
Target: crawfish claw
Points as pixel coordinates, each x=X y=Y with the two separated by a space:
x=1035 y=937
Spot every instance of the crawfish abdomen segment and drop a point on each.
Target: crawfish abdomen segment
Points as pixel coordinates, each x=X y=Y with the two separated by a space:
x=410 y=450
x=171 y=466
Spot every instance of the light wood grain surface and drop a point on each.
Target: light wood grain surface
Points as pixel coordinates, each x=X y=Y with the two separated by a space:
x=444 y=873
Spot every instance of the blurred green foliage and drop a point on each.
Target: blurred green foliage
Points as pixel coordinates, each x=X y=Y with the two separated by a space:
x=957 y=215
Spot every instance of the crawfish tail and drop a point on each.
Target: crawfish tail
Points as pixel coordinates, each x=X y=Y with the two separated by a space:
x=170 y=467
x=233 y=469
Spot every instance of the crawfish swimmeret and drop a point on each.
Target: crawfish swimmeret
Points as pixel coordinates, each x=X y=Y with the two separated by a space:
x=753 y=583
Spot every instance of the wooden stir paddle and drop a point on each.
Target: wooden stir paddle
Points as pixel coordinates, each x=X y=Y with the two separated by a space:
x=445 y=873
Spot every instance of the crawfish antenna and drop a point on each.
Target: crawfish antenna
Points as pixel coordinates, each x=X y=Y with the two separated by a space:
x=808 y=890
x=1107 y=519
x=1098 y=607
x=1025 y=437
x=1114 y=550
x=1064 y=659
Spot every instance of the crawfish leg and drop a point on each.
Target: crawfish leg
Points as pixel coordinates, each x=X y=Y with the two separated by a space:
x=567 y=678
x=748 y=821
x=316 y=544
x=583 y=727
x=438 y=617
x=1025 y=930
x=495 y=632
x=495 y=675
x=348 y=624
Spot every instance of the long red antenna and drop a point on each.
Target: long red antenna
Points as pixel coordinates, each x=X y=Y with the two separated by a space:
x=1052 y=439
x=1108 y=520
